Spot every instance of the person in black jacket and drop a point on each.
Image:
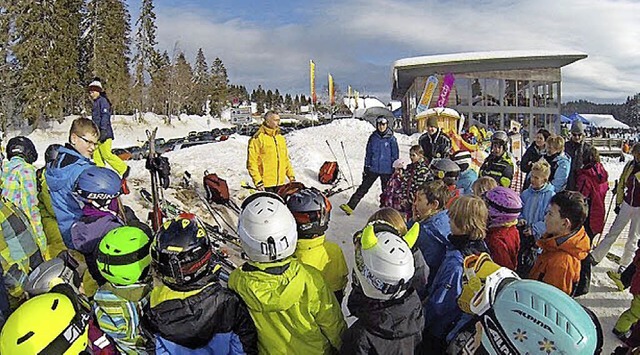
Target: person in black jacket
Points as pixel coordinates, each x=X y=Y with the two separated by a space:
x=535 y=152
x=389 y=311
x=435 y=143
x=575 y=148
x=190 y=309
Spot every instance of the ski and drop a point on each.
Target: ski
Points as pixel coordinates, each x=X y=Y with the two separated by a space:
x=615 y=258
x=330 y=192
x=156 y=213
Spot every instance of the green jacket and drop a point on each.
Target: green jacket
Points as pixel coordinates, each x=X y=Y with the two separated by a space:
x=327 y=257
x=292 y=307
x=55 y=244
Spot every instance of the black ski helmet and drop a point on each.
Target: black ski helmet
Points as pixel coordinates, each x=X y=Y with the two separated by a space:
x=182 y=253
x=446 y=170
x=311 y=210
x=51 y=153
x=22 y=147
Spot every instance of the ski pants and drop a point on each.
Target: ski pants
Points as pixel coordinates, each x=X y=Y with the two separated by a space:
x=627 y=214
x=103 y=155
x=629 y=317
x=368 y=178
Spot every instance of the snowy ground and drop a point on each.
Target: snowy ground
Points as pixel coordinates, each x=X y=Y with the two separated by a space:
x=308 y=150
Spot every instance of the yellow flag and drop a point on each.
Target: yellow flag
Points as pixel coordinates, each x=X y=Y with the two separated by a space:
x=356 y=95
x=332 y=98
x=312 y=77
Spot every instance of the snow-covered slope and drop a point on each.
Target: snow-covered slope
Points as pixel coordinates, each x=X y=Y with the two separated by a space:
x=308 y=150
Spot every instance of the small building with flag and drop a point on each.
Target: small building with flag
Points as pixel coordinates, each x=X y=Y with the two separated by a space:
x=488 y=88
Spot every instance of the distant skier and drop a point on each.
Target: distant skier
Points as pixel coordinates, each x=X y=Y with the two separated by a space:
x=101 y=116
x=267 y=156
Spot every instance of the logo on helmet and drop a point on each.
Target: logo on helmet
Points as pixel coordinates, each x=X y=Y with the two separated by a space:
x=533 y=319
x=100 y=196
x=496 y=337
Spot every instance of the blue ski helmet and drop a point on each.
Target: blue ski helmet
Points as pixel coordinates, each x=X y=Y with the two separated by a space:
x=100 y=185
x=504 y=206
x=22 y=147
x=530 y=316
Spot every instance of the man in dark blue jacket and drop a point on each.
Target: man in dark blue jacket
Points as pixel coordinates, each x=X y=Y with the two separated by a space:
x=101 y=116
x=382 y=151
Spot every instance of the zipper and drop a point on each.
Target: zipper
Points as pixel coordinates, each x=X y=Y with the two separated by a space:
x=275 y=140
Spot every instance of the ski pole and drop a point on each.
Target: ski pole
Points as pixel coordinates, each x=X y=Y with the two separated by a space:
x=344 y=152
x=606 y=217
x=336 y=158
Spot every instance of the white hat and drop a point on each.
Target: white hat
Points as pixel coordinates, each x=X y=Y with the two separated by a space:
x=95 y=85
x=462 y=157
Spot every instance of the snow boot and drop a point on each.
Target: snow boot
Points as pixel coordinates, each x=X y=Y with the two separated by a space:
x=617 y=279
x=348 y=210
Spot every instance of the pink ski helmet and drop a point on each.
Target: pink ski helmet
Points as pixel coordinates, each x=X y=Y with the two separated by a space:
x=504 y=206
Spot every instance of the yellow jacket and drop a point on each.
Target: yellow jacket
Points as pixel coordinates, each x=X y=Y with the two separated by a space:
x=327 y=257
x=291 y=306
x=268 y=158
x=55 y=244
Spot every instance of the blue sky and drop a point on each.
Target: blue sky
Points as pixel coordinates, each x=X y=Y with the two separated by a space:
x=270 y=42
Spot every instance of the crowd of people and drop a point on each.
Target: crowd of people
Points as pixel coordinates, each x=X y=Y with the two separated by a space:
x=454 y=261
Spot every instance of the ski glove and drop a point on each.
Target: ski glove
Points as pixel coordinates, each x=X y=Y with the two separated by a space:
x=617 y=209
x=160 y=165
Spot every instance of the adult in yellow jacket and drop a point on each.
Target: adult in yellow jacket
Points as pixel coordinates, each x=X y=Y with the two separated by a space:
x=312 y=211
x=292 y=307
x=267 y=156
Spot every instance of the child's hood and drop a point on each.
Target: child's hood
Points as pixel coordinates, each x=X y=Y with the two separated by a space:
x=596 y=172
x=73 y=163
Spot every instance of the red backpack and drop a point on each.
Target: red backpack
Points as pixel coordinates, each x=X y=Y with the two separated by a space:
x=216 y=189
x=328 y=173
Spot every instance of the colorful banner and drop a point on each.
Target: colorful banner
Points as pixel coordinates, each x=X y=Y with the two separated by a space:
x=447 y=86
x=429 y=89
x=332 y=94
x=312 y=77
x=356 y=95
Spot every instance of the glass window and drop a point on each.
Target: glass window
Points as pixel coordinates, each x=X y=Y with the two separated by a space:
x=510 y=93
x=463 y=89
x=492 y=92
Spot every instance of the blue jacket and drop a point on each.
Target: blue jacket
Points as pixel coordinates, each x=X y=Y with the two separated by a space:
x=442 y=313
x=534 y=205
x=101 y=116
x=432 y=241
x=61 y=175
x=563 y=166
x=220 y=344
x=382 y=151
x=465 y=180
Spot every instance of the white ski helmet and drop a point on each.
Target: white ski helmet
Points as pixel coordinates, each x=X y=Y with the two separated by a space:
x=384 y=264
x=267 y=228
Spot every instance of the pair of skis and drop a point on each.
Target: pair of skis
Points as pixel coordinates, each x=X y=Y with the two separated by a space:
x=333 y=190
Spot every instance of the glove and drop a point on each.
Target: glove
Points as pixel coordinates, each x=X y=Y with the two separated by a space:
x=617 y=209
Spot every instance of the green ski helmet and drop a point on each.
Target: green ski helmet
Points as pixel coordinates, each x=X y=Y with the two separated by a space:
x=123 y=255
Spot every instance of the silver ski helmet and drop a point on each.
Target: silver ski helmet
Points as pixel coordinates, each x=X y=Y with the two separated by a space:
x=311 y=210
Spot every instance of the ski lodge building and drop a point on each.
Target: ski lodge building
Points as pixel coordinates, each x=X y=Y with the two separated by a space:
x=490 y=88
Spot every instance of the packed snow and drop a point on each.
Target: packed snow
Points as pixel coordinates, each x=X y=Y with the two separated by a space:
x=308 y=149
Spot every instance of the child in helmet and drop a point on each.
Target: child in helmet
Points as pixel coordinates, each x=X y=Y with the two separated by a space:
x=294 y=309
x=499 y=164
x=58 y=326
x=61 y=174
x=312 y=211
x=429 y=210
x=502 y=328
x=389 y=311
x=190 y=311
x=392 y=220
x=416 y=174
x=97 y=188
x=393 y=194
x=482 y=185
x=19 y=183
x=55 y=244
x=565 y=242
x=503 y=238
x=467 y=174
x=447 y=171
x=468 y=219
x=121 y=303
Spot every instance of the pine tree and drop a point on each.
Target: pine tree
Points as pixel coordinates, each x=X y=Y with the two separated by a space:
x=202 y=87
x=145 y=42
x=106 y=39
x=219 y=85
x=160 y=73
x=181 y=86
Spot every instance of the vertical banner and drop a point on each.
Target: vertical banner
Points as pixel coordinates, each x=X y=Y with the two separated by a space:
x=349 y=96
x=429 y=89
x=332 y=97
x=312 y=80
x=356 y=95
x=447 y=86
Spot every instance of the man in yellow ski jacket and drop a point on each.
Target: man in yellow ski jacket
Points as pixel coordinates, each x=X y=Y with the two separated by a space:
x=267 y=157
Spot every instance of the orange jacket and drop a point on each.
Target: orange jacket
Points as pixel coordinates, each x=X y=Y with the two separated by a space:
x=559 y=265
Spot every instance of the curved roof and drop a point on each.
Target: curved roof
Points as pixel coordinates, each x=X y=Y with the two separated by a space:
x=407 y=69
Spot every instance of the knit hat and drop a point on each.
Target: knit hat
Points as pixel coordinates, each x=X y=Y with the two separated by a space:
x=577 y=127
x=462 y=158
x=399 y=163
x=95 y=85
x=432 y=121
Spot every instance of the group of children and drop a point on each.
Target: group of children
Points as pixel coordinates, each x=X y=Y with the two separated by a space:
x=117 y=287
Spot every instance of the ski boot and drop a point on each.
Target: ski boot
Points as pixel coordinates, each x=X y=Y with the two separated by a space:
x=617 y=279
